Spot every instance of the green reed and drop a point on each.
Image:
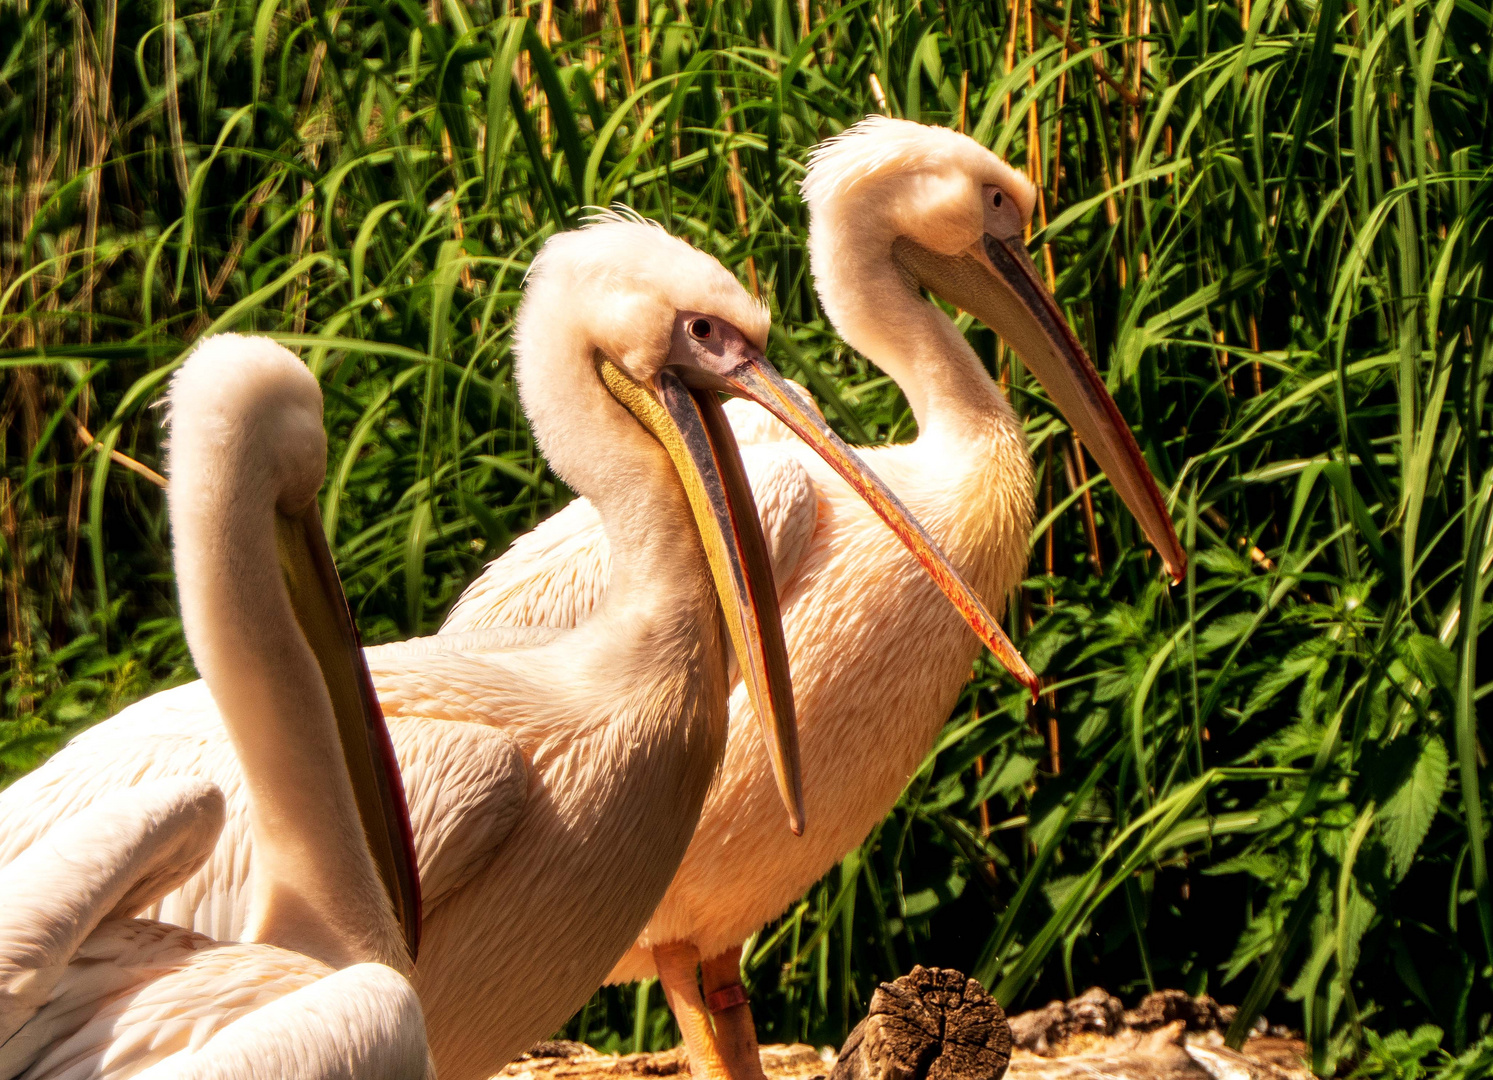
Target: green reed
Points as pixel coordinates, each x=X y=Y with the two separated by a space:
x=1267 y=221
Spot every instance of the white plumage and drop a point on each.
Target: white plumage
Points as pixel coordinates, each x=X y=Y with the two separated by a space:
x=620 y=722
x=88 y=992
x=878 y=656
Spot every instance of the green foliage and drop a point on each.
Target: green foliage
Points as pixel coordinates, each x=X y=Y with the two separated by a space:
x=1269 y=223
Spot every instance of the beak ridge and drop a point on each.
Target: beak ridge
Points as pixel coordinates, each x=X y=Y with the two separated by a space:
x=759 y=381
x=999 y=286
x=692 y=427
x=321 y=609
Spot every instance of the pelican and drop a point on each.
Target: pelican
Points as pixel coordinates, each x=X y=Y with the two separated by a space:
x=624 y=337
x=877 y=657
x=334 y=915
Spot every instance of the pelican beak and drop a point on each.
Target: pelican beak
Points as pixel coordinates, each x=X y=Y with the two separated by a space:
x=996 y=282
x=321 y=609
x=692 y=427
x=742 y=370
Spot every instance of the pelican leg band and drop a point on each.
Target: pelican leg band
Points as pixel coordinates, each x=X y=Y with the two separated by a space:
x=726 y=997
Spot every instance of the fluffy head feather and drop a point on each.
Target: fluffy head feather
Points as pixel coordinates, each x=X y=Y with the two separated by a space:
x=925 y=181
x=624 y=279
x=245 y=415
x=614 y=286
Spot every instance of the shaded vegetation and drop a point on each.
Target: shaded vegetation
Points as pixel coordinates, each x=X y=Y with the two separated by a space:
x=1268 y=221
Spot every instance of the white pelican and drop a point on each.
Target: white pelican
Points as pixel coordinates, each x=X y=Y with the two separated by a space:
x=877 y=657
x=623 y=331
x=86 y=991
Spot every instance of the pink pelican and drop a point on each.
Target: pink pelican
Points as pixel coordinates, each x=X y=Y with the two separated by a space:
x=86 y=991
x=623 y=338
x=878 y=658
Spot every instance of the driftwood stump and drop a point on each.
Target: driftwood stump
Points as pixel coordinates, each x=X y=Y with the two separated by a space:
x=931 y=1024
x=1167 y=1036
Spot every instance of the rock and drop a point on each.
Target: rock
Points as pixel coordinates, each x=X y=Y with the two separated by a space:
x=1164 y=1006
x=556 y=1048
x=1042 y=1030
x=931 y=1024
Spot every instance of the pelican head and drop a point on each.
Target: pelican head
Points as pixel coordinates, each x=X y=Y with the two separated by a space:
x=950 y=216
x=247 y=449
x=667 y=328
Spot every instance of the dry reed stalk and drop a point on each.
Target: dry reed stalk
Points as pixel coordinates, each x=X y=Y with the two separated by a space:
x=173 y=100
x=1098 y=65
x=1014 y=20
x=645 y=43
x=1254 y=347
x=546 y=30
x=1223 y=363
x=1047 y=539
x=984 y=807
x=593 y=24
x=40 y=167
x=95 y=65
x=17 y=632
x=23 y=399
x=737 y=189
x=458 y=230
x=1034 y=147
x=1256 y=556
x=1077 y=472
x=236 y=251
x=1142 y=60
x=963 y=100
x=123 y=460
x=96 y=81
x=627 y=79
x=314 y=128
x=877 y=92
x=1054 y=735
x=1111 y=207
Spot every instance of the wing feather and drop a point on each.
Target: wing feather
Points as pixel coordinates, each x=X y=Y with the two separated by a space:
x=556 y=574
x=466 y=785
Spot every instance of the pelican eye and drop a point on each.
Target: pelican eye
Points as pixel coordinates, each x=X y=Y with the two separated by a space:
x=996 y=200
x=700 y=329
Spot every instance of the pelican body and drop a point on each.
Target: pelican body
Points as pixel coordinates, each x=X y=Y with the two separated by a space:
x=878 y=658
x=86 y=991
x=534 y=884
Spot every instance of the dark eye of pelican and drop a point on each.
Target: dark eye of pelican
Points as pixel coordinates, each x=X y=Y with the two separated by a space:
x=700 y=328
x=996 y=199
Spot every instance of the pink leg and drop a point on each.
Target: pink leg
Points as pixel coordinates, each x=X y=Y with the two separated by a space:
x=676 y=964
x=735 y=1033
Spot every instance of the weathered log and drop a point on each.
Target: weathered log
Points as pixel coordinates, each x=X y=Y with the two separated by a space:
x=931 y=1024
x=1167 y=1036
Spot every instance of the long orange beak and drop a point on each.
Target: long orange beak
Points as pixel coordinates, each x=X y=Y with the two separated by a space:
x=693 y=429
x=321 y=609
x=751 y=376
x=996 y=282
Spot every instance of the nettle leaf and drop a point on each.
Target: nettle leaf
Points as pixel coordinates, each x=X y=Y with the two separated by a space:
x=1267 y=866
x=1042 y=644
x=1300 y=661
x=1408 y=812
x=1224 y=631
x=1430 y=661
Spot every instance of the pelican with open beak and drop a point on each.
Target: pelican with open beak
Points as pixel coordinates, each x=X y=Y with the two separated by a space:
x=538 y=870
x=878 y=658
